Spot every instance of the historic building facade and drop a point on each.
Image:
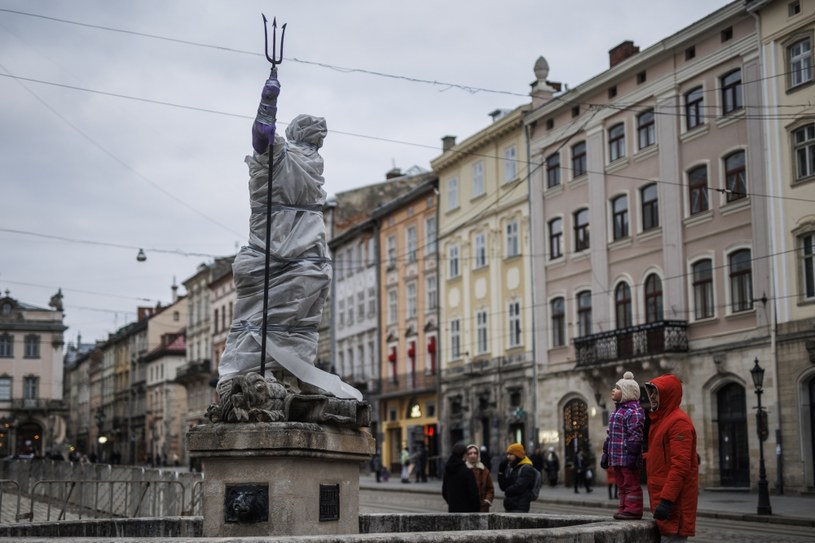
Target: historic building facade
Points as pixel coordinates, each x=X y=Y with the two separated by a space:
x=488 y=393
x=787 y=33
x=32 y=412
x=651 y=241
x=407 y=285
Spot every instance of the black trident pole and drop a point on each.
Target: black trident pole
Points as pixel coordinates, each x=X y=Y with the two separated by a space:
x=274 y=60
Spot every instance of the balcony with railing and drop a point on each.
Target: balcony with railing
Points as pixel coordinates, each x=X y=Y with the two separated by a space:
x=633 y=342
x=38 y=404
x=194 y=370
x=405 y=383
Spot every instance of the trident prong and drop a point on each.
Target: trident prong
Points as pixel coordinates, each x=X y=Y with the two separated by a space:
x=274 y=59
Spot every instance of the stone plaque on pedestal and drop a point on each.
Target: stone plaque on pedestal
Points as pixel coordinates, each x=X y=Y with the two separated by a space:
x=280 y=478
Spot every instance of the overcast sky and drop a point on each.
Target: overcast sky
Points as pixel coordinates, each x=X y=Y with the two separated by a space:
x=160 y=165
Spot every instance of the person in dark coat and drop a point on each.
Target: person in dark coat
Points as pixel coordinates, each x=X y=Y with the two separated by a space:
x=516 y=477
x=458 y=486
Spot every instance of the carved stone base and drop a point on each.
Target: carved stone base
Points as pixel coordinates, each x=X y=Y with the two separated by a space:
x=280 y=478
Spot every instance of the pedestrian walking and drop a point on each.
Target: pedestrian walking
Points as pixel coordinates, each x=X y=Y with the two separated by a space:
x=404 y=458
x=622 y=450
x=671 y=462
x=459 y=488
x=516 y=477
x=582 y=470
x=483 y=479
x=551 y=465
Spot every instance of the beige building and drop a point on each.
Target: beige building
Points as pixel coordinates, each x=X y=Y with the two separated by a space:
x=32 y=411
x=650 y=221
x=787 y=33
x=485 y=286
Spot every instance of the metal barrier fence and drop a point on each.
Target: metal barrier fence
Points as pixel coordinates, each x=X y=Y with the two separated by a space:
x=46 y=491
x=102 y=499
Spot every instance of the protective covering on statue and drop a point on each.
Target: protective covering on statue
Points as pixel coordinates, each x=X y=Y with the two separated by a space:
x=300 y=268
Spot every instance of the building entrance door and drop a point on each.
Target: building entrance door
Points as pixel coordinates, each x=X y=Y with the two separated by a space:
x=734 y=461
x=575 y=434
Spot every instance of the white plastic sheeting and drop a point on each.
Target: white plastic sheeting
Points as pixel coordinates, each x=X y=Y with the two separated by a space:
x=300 y=269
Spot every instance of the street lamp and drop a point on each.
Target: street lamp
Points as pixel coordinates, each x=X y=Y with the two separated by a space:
x=757 y=373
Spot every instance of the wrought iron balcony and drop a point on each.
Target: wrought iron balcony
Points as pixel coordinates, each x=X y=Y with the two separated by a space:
x=633 y=342
x=38 y=404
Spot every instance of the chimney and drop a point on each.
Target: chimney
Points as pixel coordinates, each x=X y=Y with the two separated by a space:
x=174 y=288
x=447 y=143
x=621 y=52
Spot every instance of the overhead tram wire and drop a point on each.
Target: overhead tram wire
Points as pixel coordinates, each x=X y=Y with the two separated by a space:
x=352 y=134
x=467 y=88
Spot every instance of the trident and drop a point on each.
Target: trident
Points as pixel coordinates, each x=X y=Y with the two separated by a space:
x=274 y=60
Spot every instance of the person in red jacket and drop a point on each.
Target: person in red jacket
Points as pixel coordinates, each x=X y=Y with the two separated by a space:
x=671 y=462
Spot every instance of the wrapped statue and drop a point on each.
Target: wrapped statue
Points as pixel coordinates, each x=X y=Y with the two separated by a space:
x=299 y=268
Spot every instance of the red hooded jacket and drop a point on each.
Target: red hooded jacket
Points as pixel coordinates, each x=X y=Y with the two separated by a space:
x=671 y=463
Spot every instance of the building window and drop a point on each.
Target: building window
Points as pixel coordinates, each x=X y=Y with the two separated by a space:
x=555 y=238
x=558 y=322
x=393 y=307
x=727 y=34
x=575 y=111
x=690 y=52
x=31 y=387
x=391 y=251
x=731 y=91
x=616 y=142
x=452 y=194
x=514 y=324
x=6 y=346
x=735 y=176
x=5 y=389
x=553 y=171
x=794 y=8
x=807 y=248
x=581 y=230
x=741 y=281
x=650 y=206
x=612 y=91
x=697 y=187
x=455 y=339
x=622 y=305
x=694 y=102
x=349 y=305
x=804 y=140
x=703 y=289
x=510 y=166
x=371 y=301
x=653 y=298
x=513 y=243
x=584 y=313
x=453 y=260
x=646 y=129
x=642 y=77
x=411 y=300
x=619 y=210
x=550 y=124
x=430 y=236
x=341 y=312
x=799 y=55
x=579 y=159
x=411 y=243
x=360 y=305
x=480 y=250
x=481 y=332
x=431 y=292
x=478 y=179
x=31 y=346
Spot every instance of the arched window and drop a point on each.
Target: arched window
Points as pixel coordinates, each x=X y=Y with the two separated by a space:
x=741 y=281
x=735 y=176
x=653 y=298
x=622 y=305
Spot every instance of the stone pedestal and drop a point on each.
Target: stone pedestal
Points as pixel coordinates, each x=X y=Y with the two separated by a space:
x=280 y=478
